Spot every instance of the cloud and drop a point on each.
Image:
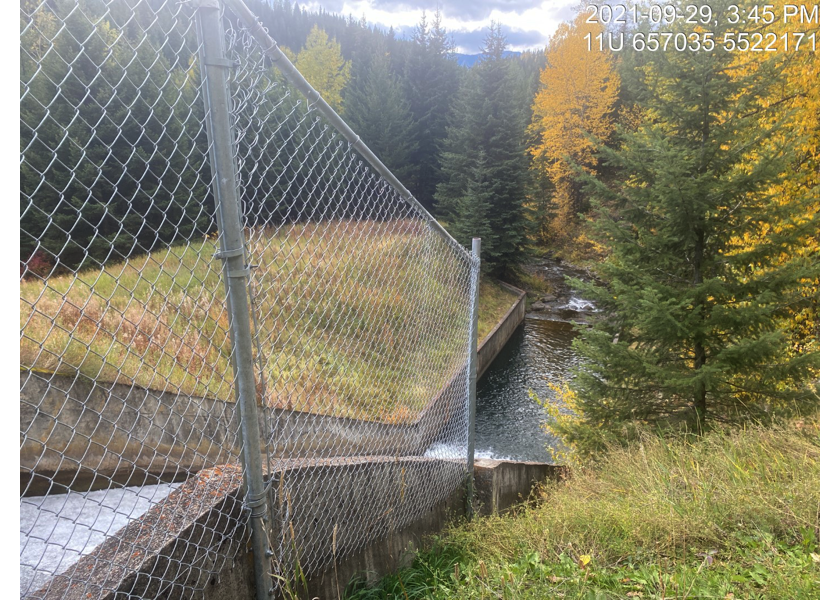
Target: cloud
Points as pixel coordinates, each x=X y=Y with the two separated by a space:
x=403 y=31
x=331 y=6
x=471 y=41
x=528 y=24
x=567 y=13
x=466 y=10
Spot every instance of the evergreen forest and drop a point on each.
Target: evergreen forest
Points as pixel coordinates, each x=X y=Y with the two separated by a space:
x=687 y=181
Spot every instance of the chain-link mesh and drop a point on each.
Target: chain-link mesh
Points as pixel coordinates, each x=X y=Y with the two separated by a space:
x=360 y=307
x=126 y=378
x=362 y=312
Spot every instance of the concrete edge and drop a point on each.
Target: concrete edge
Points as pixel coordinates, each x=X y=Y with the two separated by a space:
x=507 y=315
x=150 y=425
x=160 y=554
x=499 y=486
x=494 y=341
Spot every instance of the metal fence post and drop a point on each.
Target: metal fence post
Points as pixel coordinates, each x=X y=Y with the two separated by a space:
x=475 y=277
x=214 y=72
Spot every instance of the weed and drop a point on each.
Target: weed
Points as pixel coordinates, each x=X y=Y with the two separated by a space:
x=727 y=516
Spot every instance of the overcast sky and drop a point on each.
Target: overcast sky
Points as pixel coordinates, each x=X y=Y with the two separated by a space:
x=527 y=24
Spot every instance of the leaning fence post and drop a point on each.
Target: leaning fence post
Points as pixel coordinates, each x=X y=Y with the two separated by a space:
x=214 y=77
x=475 y=275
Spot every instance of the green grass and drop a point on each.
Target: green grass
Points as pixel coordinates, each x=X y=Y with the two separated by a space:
x=362 y=319
x=493 y=302
x=729 y=516
x=535 y=283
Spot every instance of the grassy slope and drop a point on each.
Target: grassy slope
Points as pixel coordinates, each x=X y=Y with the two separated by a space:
x=351 y=323
x=493 y=302
x=732 y=516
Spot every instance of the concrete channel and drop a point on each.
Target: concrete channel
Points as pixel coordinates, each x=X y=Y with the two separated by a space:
x=57 y=530
x=64 y=534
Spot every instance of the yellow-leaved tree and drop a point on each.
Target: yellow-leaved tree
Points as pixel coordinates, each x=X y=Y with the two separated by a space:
x=320 y=61
x=797 y=89
x=573 y=113
x=802 y=184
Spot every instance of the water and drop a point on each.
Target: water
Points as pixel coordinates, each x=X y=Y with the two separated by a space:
x=508 y=421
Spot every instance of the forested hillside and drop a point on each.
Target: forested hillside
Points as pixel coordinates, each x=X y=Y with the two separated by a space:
x=455 y=136
x=399 y=95
x=688 y=180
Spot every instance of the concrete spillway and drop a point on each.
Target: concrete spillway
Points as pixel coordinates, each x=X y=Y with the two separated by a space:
x=55 y=531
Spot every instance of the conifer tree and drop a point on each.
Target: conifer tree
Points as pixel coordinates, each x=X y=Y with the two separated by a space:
x=432 y=77
x=799 y=90
x=377 y=109
x=473 y=208
x=541 y=208
x=86 y=194
x=489 y=120
x=689 y=332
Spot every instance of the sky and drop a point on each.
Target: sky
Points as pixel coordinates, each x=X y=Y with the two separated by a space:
x=527 y=24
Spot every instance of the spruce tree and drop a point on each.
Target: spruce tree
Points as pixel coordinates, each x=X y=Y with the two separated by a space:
x=688 y=334
x=540 y=208
x=473 y=208
x=92 y=131
x=489 y=120
x=377 y=109
x=431 y=75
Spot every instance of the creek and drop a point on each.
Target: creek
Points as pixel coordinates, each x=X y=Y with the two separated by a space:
x=508 y=421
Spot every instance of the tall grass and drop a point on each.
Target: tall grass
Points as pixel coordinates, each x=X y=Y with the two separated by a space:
x=156 y=320
x=494 y=301
x=729 y=516
x=354 y=318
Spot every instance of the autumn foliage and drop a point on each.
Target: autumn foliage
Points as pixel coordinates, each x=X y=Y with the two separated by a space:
x=709 y=209
x=573 y=114
x=321 y=62
x=797 y=88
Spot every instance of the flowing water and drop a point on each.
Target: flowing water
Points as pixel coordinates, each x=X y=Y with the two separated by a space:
x=508 y=421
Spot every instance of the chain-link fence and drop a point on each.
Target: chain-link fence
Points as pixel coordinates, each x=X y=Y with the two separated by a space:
x=216 y=272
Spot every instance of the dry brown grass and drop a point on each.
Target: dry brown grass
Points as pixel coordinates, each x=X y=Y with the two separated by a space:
x=363 y=319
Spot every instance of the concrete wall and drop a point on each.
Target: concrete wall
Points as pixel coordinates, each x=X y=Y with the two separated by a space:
x=88 y=433
x=194 y=539
x=85 y=435
x=372 y=517
x=491 y=345
x=80 y=434
x=500 y=484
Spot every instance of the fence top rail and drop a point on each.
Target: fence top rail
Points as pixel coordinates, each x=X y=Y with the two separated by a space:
x=272 y=49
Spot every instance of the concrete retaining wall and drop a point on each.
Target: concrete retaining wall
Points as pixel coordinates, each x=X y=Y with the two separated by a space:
x=151 y=557
x=500 y=484
x=83 y=434
x=193 y=540
x=504 y=483
x=130 y=433
x=491 y=345
x=86 y=435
